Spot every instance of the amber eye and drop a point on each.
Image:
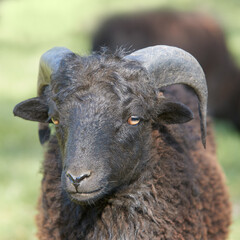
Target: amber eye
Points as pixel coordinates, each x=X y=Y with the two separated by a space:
x=133 y=120
x=55 y=121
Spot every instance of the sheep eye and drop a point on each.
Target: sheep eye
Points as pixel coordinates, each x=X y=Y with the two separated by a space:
x=133 y=120
x=55 y=121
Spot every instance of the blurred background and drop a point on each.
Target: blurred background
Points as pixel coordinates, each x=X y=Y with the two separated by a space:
x=28 y=28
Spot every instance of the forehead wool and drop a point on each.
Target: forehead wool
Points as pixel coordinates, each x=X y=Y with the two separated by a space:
x=107 y=73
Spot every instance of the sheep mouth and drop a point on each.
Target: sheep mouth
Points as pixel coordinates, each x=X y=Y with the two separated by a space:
x=86 y=197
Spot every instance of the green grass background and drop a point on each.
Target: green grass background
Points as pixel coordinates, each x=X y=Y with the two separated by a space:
x=30 y=27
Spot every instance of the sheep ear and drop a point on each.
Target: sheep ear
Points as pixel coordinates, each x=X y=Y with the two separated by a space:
x=34 y=109
x=173 y=112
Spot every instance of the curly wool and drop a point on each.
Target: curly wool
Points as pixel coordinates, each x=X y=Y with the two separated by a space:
x=180 y=195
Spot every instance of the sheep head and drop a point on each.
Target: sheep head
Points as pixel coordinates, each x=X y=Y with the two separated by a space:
x=103 y=107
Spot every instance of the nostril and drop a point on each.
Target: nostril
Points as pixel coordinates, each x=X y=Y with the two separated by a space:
x=78 y=179
x=71 y=178
x=83 y=176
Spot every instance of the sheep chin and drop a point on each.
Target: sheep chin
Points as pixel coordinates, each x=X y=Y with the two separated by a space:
x=87 y=198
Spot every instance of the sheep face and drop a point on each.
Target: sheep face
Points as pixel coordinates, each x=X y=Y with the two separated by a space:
x=103 y=109
x=103 y=147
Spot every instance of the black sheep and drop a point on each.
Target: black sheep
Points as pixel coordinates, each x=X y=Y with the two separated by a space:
x=121 y=165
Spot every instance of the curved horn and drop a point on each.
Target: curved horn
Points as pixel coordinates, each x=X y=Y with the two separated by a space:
x=49 y=63
x=170 y=65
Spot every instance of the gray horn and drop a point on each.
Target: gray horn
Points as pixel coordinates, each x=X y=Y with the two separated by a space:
x=170 y=65
x=49 y=64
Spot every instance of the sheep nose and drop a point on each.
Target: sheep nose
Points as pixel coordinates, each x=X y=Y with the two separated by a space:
x=75 y=180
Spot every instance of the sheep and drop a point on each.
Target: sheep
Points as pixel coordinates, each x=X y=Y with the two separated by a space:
x=125 y=162
x=196 y=33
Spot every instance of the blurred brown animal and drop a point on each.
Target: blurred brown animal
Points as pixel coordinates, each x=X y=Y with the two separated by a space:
x=194 y=32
